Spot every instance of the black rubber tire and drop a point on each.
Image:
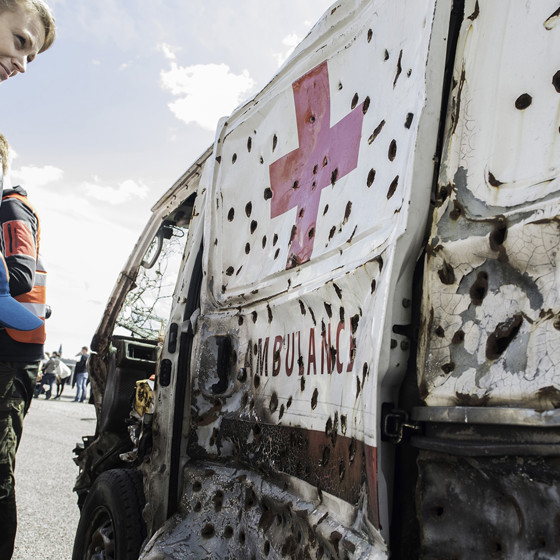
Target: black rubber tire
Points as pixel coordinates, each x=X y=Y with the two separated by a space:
x=111 y=525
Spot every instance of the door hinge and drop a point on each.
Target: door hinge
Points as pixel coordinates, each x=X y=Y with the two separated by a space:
x=395 y=424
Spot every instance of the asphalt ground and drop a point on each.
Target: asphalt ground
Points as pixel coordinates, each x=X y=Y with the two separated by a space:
x=45 y=475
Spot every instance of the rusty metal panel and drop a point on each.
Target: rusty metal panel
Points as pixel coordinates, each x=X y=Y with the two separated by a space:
x=491 y=334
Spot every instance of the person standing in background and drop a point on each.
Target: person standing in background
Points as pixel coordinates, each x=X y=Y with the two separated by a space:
x=81 y=375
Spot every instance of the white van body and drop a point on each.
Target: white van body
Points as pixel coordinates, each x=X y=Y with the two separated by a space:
x=361 y=356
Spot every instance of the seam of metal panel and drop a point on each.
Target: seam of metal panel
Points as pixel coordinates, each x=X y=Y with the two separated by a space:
x=488 y=415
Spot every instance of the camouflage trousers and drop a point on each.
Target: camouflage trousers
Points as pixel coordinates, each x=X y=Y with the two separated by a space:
x=17 y=382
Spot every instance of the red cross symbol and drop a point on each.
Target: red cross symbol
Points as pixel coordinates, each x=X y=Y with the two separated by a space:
x=325 y=154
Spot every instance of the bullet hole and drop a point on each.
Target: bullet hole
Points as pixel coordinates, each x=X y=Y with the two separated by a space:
x=448 y=368
x=261 y=160
x=312 y=119
x=446 y=274
x=369 y=35
x=269 y=312
x=457 y=211
x=352 y=450
x=338 y=291
x=373 y=286
x=254 y=316
x=392 y=150
x=314 y=398
x=312 y=316
x=293 y=233
x=409 y=73
x=334 y=176
x=229 y=271
x=295 y=185
x=231 y=214
x=386 y=55
x=399 y=69
x=523 y=101
x=197 y=507
x=479 y=289
x=256 y=381
x=247 y=248
x=208 y=531
x=493 y=181
x=556 y=81
x=325 y=161
x=393 y=187
x=228 y=532
x=376 y=132
x=408 y=121
x=273 y=403
x=266 y=548
x=354 y=323
x=370 y=177
x=242 y=537
x=302 y=307
x=240 y=320
x=311 y=233
x=219 y=159
x=437 y=512
x=476 y=12
x=366 y=105
x=354 y=101
x=264 y=241
x=328 y=427
x=496 y=547
x=197 y=486
x=249 y=144
x=328 y=309
x=347 y=211
x=253 y=226
x=332 y=232
x=218 y=500
x=233 y=158
x=358 y=386
x=281 y=413
x=341 y=470
x=276 y=254
x=502 y=336
x=498 y=235
x=302 y=380
x=440 y=331
x=248 y=209
x=458 y=337
x=274 y=142
x=326 y=209
x=289 y=403
x=326 y=456
x=275 y=240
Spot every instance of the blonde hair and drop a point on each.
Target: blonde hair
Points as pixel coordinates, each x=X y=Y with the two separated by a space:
x=4 y=152
x=41 y=9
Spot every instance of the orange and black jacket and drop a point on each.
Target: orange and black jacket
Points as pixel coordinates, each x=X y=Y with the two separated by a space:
x=20 y=234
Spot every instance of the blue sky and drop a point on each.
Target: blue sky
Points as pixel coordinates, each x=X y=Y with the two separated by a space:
x=104 y=122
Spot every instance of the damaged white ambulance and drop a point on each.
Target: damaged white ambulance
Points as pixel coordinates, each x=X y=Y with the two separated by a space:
x=361 y=358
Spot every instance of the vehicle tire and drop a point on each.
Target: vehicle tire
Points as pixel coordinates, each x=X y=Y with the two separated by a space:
x=111 y=525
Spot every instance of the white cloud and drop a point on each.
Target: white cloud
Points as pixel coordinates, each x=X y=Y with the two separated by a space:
x=291 y=41
x=205 y=92
x=167 y=50
x=33 y=176
x=126 y=190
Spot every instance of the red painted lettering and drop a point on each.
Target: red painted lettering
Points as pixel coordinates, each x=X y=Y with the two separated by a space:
x=276 y=361
x=311 y=353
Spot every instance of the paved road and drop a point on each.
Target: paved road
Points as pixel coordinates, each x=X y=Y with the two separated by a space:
x=45 y=474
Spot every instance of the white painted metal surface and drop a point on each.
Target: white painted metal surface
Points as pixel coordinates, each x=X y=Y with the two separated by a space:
x=491 y=297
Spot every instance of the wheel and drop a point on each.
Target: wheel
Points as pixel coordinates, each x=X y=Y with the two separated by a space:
x=111 y=525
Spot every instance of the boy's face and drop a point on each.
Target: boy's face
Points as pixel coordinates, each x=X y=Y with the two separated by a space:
x=21 y=37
